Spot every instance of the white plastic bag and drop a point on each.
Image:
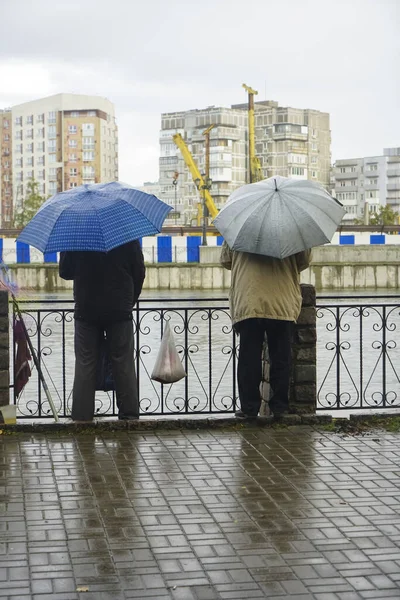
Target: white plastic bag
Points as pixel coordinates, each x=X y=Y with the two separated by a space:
x=168 y=367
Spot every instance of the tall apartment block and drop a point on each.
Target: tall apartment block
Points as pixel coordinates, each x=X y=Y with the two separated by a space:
x=289 y=141
x=62 y=141
x=374 y=179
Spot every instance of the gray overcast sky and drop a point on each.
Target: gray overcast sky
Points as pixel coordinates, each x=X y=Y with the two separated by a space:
x=166 y=55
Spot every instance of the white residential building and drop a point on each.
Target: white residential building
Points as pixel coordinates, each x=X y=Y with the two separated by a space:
x=373 y=179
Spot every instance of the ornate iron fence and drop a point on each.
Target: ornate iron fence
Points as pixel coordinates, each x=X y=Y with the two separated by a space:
x=204 y=338
x=358 y=352
x=357 y=356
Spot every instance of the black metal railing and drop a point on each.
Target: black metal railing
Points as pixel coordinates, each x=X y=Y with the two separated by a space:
x=358 y=352
x=204 y=338
x=357 y=356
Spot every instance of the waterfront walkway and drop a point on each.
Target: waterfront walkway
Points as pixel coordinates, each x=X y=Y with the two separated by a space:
x=238 y=512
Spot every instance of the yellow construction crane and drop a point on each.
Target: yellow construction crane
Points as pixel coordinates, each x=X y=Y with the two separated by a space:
x=255 y=170
x=196 y=175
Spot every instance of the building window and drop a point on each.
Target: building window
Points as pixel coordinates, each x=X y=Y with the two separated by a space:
x=52 y=158
x=29 y=174
x=88 y=143
x=73 y=158
x=373 y=167
x=314 y=174
x=88 y=129
x=6 y=164
x=40 y=132
x=314 y=146
x=6 y=177
x=88 y=156
x=18 y=135
x=91 y=113
x=73 y=172
x=87 y=172
x=29 y=134
x=30 y=147
x=52 y=117
x=53 y=173
x=314 y=160
x=52 y=131
x=72 y=143
x=40 y=160
x=18 y=120
x=18 y=162
x=314 y=133
x=42 y=174
x=6 y=137
x=73 y=184
x=51 y=145
x=75 y=113
x=29 y=120
x=72 y=129
x=5 y=124
x=19 y=148
x=297 y=171
x=20 y=175
x=40 y=118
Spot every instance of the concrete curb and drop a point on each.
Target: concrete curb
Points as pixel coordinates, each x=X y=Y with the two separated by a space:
x=145 y=424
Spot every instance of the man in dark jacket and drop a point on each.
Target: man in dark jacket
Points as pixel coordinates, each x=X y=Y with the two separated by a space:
x=106 y=288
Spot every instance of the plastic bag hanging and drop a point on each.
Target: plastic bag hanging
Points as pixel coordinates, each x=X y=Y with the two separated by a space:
x=168 y=367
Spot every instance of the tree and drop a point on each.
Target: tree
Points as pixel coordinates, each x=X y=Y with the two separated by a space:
x=31 y=204
x=385 y=216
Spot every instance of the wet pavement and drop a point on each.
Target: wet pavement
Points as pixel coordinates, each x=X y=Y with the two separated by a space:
x=234 y=513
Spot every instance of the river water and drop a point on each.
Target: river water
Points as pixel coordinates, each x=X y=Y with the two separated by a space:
x=360 y=328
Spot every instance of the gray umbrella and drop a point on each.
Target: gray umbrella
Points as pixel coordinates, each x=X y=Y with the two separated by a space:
x=279 y=217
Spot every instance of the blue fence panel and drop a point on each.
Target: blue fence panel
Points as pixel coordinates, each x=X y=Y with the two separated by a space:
x=192 y=246
x=220 y=240
x=377 y=239
x=23 y=253
x=1 y=249
x=50 y=257
x=346 y=239
x=164 y=249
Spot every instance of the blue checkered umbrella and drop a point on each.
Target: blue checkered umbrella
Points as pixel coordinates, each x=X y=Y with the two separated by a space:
x=96 y=217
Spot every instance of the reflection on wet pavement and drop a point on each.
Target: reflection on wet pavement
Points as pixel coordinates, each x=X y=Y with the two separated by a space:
x=200 y=515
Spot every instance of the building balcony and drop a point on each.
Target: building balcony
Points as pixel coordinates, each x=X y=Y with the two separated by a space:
x=393 y=172
x=340 y=176
x=287 y=135
x=393 y=187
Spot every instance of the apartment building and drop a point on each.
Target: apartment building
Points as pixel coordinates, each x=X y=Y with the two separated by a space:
x=62 y=141
x=373 y=179
x=289 y=142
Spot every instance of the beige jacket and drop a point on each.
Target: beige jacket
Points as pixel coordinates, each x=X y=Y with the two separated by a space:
x=264 y=287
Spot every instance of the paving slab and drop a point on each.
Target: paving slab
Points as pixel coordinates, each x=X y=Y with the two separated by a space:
x=292 y=511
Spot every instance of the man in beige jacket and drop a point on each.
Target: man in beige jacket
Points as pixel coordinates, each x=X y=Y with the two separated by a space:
x=265 y=298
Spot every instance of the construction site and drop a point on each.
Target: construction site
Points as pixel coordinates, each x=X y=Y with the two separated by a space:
x=205 y=154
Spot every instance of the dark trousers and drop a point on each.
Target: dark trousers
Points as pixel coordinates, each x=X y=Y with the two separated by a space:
x=279 y=339
x=120 y=343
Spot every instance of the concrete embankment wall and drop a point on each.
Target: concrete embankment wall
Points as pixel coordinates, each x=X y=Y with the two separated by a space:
x=332 y=268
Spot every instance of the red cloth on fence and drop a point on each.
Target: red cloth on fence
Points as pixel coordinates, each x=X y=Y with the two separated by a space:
x=22 y=369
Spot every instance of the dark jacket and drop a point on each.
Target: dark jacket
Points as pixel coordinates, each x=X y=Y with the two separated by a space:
x=106 y=285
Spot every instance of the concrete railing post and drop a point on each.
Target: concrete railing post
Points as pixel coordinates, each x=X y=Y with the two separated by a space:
x=4 y=350
x=303 y=397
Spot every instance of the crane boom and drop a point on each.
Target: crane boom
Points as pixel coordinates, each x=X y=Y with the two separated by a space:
x=194 y=170
x=255 y=169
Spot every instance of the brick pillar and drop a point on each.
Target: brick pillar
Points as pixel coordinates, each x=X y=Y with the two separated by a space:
x=4 y=350
x=303 y=396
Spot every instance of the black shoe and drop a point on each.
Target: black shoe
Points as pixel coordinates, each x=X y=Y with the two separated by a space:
x=128 y=417
x=239 y=414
